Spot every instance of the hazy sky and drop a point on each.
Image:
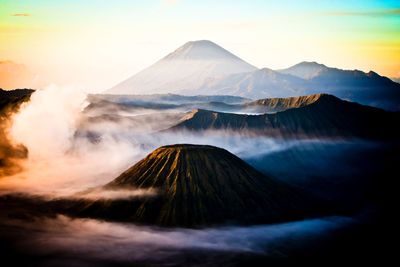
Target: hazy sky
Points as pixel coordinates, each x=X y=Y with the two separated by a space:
x=99 y=43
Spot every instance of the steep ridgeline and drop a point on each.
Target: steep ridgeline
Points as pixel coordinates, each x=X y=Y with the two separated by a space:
x=205 y=68
x=304 y=70
x=184 y=69
x=199 y=186
x=269 y=105
x=308 y=78
x=257 y=84
x=367 y=88
x=319 y=116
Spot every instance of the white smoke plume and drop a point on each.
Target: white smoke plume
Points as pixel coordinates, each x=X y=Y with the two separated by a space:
x=46 y=126
x=64 y=160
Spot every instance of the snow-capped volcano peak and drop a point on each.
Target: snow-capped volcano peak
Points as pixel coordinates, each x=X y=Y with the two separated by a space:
x=200 y=50
x=187 y=68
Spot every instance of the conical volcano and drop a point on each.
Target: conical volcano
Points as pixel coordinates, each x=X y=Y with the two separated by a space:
x=202 y=185
x=186 y=68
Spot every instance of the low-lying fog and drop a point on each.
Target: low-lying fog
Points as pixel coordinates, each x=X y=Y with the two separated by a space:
x=62 y=163
x=70 y=152
x=63 y=241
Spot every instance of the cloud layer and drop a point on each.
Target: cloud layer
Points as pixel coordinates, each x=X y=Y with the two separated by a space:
x=86 y=240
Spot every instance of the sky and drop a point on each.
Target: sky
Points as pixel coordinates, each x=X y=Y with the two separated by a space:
x=97 y=44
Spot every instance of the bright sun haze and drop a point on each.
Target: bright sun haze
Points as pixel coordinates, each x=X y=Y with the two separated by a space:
x=96 y=44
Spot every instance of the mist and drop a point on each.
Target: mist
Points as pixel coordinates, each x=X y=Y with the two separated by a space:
x=85 y=241
x=46 y=126
x=71 y=151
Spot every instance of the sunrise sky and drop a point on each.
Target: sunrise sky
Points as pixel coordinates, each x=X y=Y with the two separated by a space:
x=96 y=44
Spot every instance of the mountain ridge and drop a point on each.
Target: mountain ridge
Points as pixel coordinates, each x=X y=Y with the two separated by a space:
x=283 y=103
x=326 y=117
x=366 y=88
x=205 y=68
x=303 y=69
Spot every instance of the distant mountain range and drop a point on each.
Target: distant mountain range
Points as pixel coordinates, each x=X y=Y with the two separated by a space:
x=202 y=67
x=112 y=104
x=171 y=99
x=312 y=116
x=132 y=103
x=257 y=84
x=118 y=104
x=305 y=117
x=310 y=78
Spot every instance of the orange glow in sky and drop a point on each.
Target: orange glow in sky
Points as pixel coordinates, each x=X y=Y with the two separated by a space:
x=96 y=44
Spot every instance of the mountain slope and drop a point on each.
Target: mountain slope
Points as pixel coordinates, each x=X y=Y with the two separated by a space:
x=184 y=69
x=324 y=116
x=203 y=185
x=365 y=88
x=196 y=186
x=280 y=104
x=204 y=68
x=304 y=69
x=256 y=84
x=309 y=78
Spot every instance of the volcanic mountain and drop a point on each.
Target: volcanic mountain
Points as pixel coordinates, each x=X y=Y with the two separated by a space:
x=257 y=84
x=364 y=87
x=203 y=67
x=304 y=70
x=317 y=116
x=184 y=69
x=309 y=78
x=196 y=186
